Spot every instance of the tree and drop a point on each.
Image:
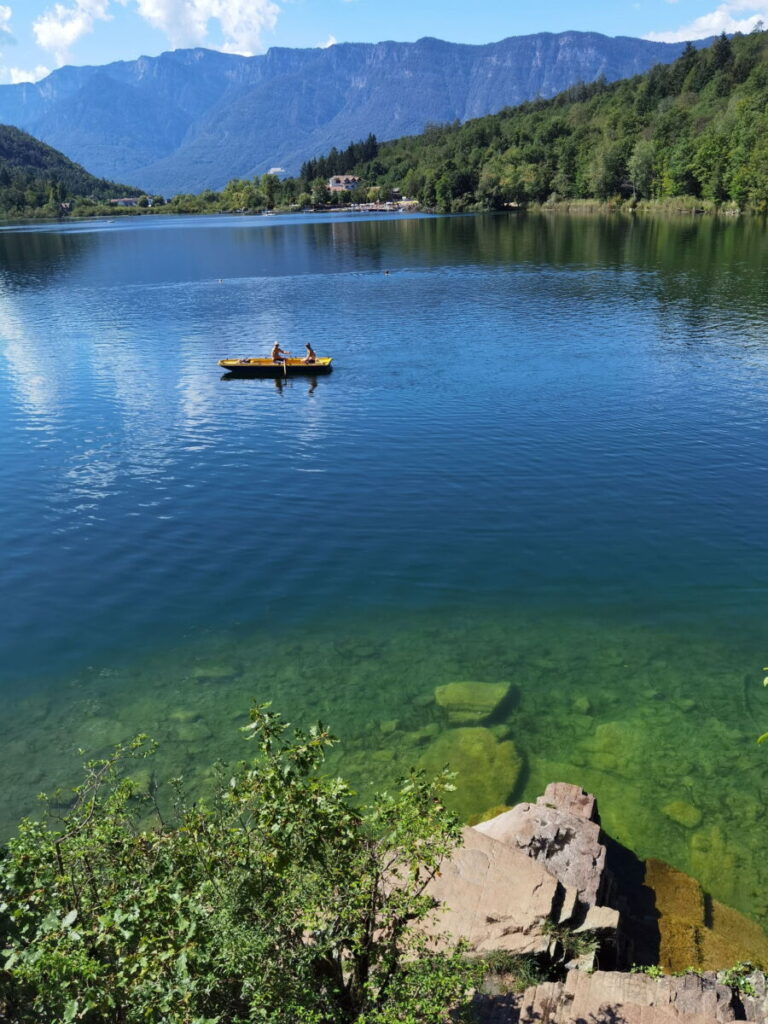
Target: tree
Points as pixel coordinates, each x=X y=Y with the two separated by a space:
x=277 y=900
x=641 y=167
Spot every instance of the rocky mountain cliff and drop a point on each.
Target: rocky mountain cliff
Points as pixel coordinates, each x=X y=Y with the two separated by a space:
x=193 y=119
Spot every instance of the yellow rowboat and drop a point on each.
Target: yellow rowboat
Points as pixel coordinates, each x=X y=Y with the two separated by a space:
x=258 y=367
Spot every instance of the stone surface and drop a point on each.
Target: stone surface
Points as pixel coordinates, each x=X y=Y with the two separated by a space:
x=697 y=933
x=567 y=844
x=613 y=998
x=682 y=813
x=470 y=703
x=487 y=771
x=571 y=799
x=494 y=896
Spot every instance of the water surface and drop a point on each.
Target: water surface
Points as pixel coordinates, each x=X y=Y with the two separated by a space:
x=540 y=459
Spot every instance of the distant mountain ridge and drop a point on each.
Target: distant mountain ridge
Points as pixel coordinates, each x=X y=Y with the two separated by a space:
x=193 y=119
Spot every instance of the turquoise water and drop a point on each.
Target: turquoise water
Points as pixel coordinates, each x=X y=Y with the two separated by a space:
x=540 y=460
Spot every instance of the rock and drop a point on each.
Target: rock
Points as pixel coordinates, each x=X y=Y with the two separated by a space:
x=569 y=799
x=605 y=996
x=183 y=715
x=682 y=813
x=487 y=771
x=192 y=732
x=582 y=705
x=388 y=726
x=213 y=671
x=566 y=843
x=695 y=932
x=493 y=896
x=470 y=703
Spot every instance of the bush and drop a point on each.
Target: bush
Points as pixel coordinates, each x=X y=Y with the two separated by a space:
x=276 y=900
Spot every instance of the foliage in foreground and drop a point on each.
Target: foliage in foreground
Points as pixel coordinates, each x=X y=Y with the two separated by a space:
x=275 y=901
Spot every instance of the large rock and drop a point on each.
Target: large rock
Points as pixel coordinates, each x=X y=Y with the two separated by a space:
x=495 y=897
x=487 y=771
x=470 y=703
x=609 y=998
x=558 y=831
x=696 y=932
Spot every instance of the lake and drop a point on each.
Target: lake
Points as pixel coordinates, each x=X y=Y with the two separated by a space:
x=540 y=460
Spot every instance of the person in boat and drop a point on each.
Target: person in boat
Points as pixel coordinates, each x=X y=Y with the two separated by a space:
x=310 y=357
x=279 y=355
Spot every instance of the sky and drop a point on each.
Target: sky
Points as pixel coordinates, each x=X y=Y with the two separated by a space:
x=37 y=36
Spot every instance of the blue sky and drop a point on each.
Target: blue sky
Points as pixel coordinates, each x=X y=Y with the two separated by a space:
x=37 y=36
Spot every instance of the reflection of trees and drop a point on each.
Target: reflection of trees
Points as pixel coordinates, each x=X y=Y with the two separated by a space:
x=36 y=256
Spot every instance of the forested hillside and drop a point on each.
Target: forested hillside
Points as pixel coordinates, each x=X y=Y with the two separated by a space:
x=695 y=128
x=36 y=179
x=192 y=119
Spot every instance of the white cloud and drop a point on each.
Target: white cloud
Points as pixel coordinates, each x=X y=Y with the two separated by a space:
x=6 y=36
x=15 y=75
x=330 y=41
x=59 y=28
x=733 y=16
x=241 y=23
x=185 y=22
x=276 y=170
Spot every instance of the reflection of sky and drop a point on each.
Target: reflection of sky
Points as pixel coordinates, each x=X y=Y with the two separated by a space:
x=34 y=374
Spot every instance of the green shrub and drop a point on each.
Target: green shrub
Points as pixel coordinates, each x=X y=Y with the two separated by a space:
x=276 y=900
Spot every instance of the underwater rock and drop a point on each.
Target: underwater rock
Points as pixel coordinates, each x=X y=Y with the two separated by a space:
x=582 y=705
x=101 y=732
x=192 y=732
x=695 y=932
x=183 y=715
x=487 y=771
x=213 y=671
x=389 y=725
x=469 y=703
x=682 y=813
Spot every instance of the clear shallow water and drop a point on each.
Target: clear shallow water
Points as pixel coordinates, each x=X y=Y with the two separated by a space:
x=541 y=459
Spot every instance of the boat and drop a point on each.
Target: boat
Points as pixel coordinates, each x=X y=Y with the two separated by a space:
x=266 y=367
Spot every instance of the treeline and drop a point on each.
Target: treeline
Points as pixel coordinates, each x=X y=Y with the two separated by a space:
x=37 y=180
x=696 y=128
x=693 y=134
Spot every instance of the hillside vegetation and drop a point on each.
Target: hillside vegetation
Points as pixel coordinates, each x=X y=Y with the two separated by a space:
x=695 y=128
x=192 y=119
x=35 y=180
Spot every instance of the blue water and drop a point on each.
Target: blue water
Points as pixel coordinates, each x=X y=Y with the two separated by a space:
x=539 y=431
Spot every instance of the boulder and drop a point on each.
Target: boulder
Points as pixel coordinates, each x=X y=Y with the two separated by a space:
x=487 y=771
x=611 y=997
x=494 y=897
x=558 y=832
x=469 y=703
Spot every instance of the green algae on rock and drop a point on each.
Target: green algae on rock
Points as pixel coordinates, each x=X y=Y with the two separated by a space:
x=683 y=813
x=470 y=703
x=487 y=771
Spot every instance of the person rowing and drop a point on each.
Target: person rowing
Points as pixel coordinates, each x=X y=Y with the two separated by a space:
x=279 y=355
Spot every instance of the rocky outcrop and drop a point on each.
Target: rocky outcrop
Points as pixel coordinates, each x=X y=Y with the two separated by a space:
x=514 y=883
x=536 y=876
x=560 y=832
x=614 y=998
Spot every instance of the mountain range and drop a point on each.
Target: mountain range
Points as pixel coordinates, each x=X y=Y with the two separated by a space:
x=188 y=120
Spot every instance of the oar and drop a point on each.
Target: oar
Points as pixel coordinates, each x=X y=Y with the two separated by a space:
x=285 y=365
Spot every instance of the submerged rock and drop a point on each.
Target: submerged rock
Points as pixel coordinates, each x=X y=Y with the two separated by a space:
x=682 y=813
x=470 y=703
x=487 y=771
